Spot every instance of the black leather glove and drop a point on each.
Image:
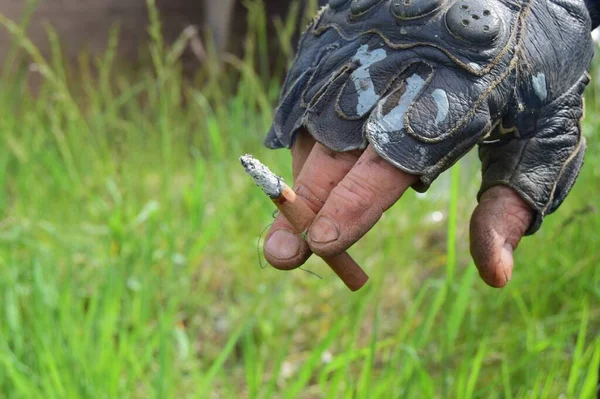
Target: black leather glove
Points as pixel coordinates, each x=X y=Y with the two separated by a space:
x=593 y=7
x=423 y=81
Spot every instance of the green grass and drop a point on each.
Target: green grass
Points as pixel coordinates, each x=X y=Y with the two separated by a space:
x=129 y=267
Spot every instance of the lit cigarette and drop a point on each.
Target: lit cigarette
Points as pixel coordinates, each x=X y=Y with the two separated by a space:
x=301 y=216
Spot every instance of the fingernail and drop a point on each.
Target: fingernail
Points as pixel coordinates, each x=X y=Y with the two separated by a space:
x=283 y=245
x=507 y=258
x=324 y=231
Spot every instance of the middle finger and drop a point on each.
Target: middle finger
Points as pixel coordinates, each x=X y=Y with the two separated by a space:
x=322 y=171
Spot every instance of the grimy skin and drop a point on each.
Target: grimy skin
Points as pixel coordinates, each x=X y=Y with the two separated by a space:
x=387 y=94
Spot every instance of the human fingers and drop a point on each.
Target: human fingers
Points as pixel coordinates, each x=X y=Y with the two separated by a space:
x=540 y=166
x=448 y=79
x=301 y=150
x=284 y=250
x=355 y=204
x=498 y=223
x=323 y=169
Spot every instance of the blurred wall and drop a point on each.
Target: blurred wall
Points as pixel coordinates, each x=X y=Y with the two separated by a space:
x=85 y=24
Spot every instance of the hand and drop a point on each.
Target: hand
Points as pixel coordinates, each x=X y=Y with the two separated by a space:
x=351 y=190
x=385 y=95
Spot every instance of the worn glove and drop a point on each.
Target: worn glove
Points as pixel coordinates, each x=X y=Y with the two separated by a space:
x=423 y=81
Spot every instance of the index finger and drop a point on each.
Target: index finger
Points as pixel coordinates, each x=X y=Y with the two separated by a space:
x=370 y=188
x=322 y=170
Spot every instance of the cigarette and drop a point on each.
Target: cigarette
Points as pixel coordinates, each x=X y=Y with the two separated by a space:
x=301 y=217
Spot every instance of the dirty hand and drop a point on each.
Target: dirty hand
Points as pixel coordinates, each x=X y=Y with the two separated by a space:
x=385 y=95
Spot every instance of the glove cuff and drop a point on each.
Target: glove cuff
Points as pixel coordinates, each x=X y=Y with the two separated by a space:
x=593 y=7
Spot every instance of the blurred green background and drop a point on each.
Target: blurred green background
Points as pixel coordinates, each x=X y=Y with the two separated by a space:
x=129 y=261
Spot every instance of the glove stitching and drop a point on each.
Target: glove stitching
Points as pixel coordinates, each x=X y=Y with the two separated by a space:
x=314 y=67
x=515 y=28
x=476 y=72
x=364 y=12
x=434 y=171
x=564 y=167
x=323 y=90
x=419 y=16
x=541 y=209
x=490 y=131
x=315 y=21
x=387 y=87
x=287 y=93
x=463 y=121
x=522 y=151
x=429 y=174
x=339 y=72
x=396 y=163
x=520 y=37
x=303 y=37
x=326 y=51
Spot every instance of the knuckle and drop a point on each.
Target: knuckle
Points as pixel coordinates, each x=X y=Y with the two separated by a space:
x=518 y=217
x=519 y=220
x=519 y=214
x=504 y=210
x=308 y=195
x=356 y=192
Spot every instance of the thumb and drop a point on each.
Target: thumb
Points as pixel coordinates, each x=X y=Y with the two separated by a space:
x=498 y=223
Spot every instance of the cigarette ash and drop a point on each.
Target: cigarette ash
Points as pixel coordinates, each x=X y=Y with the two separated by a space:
x=270 y=183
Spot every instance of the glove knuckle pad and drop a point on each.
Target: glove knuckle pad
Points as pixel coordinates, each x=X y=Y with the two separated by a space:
x=423 y=81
